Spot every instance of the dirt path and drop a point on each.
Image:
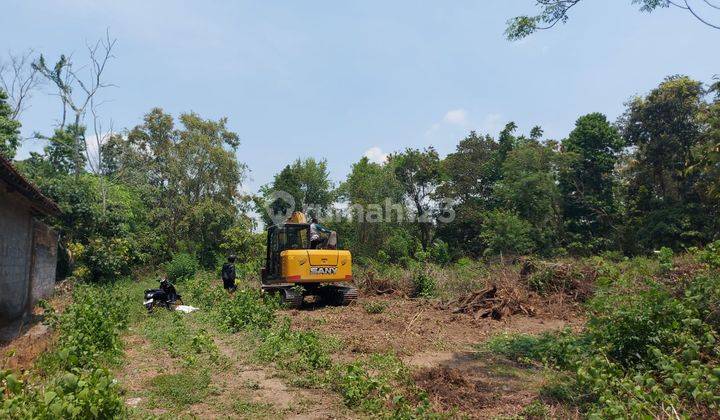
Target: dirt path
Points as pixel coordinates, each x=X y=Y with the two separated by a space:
x=236 y=388
x=439 y=347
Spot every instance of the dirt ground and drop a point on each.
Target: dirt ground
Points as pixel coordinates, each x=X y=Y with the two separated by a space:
x=440 y=347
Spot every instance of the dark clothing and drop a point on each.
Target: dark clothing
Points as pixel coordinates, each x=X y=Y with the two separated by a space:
x=228 y=276
x=315 y=243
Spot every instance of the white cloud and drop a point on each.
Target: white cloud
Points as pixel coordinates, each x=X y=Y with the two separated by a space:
x=376 y=155
x=456 y=116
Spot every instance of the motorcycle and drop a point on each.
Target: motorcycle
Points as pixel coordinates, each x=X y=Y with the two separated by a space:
x=166 y=296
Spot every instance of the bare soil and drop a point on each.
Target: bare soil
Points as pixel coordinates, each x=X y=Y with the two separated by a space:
x=440 y=347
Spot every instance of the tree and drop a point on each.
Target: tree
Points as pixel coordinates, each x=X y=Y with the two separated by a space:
x=190 y=174
x=504 y=232
x=307 y=181
x=529 y=188
x=471 y=173
x=372 y=190
x=587 y=183
x=419 y=172
x=18 y=78
x=68 y=82
x=553 y=12
x=9 y=129
x=664 y=201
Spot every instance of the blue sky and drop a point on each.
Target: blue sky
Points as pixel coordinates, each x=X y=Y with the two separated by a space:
x=337 y=80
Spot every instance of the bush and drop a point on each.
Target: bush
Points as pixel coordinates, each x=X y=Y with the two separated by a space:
x=665 y=258
x=440 y=253
x=381 y=386
x=397 y=246
x=296 y=351
x=424 y=285
x=643 y=350
x=181 y=267
x=89 y=329
x=248 y=310
x=77 y=394
x=109 y=258
x=504 y=232
x=201 y=291
x=711 y=255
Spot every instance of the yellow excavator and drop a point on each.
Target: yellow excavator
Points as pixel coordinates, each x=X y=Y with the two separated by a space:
x=322 y=271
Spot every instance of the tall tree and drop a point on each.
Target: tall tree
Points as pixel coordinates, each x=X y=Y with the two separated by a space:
x=553 y=12
x=472 y=171
x=529 y=188
x=587 y=183
x=666 y=127
x=190 y=173
x=9 y=129
x=372 y=193
x=419 y=172
x=78 y=92
x=307 y=181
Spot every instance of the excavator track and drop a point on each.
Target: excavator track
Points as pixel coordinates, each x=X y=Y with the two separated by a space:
x=339 y=295
x=290 y=296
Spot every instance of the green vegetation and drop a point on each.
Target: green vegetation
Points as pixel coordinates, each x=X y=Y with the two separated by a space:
x=649 y=346
x=381 y=385
x=72 y=380
x=375 y=306
x=181 y=267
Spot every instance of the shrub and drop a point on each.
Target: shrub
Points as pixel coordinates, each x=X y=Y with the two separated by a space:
x=296 y=351
x=76 y=394
x=108 y=258
x=381 y=386
x=397 y=246
x=440 y=252
x=181 y=267
x=201 y=291
x=424 y=285
x=665 y=258
x=643 y=349
x=89 y=329
x=504 y=232
x=711 y=255
x=248 y=310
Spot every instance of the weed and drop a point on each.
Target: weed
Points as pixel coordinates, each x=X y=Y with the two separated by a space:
x=74 y=394
x=295 y=351
x=375 y=307
x=382 y=386
x=180 y=389
x=251 y=409
x=248 y=310
x=424 y=285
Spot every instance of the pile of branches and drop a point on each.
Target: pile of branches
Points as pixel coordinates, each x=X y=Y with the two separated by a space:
x=570 y=278
x=378 y=286
x=491 y=303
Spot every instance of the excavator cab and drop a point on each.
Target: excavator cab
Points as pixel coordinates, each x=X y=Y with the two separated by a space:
x=290 y=262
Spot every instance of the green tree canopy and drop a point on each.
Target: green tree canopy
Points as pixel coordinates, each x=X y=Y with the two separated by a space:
x=552 y=12
x=587 y=183
x=9 y=129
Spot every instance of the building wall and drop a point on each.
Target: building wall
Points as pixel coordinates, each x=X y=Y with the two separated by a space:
x=15 y=254
x=44 y=262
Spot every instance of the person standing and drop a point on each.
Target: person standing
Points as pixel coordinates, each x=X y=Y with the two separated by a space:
x=228 y=274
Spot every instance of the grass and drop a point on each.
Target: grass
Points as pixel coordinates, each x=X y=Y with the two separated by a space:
x=177 y=391
x=375 y=306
